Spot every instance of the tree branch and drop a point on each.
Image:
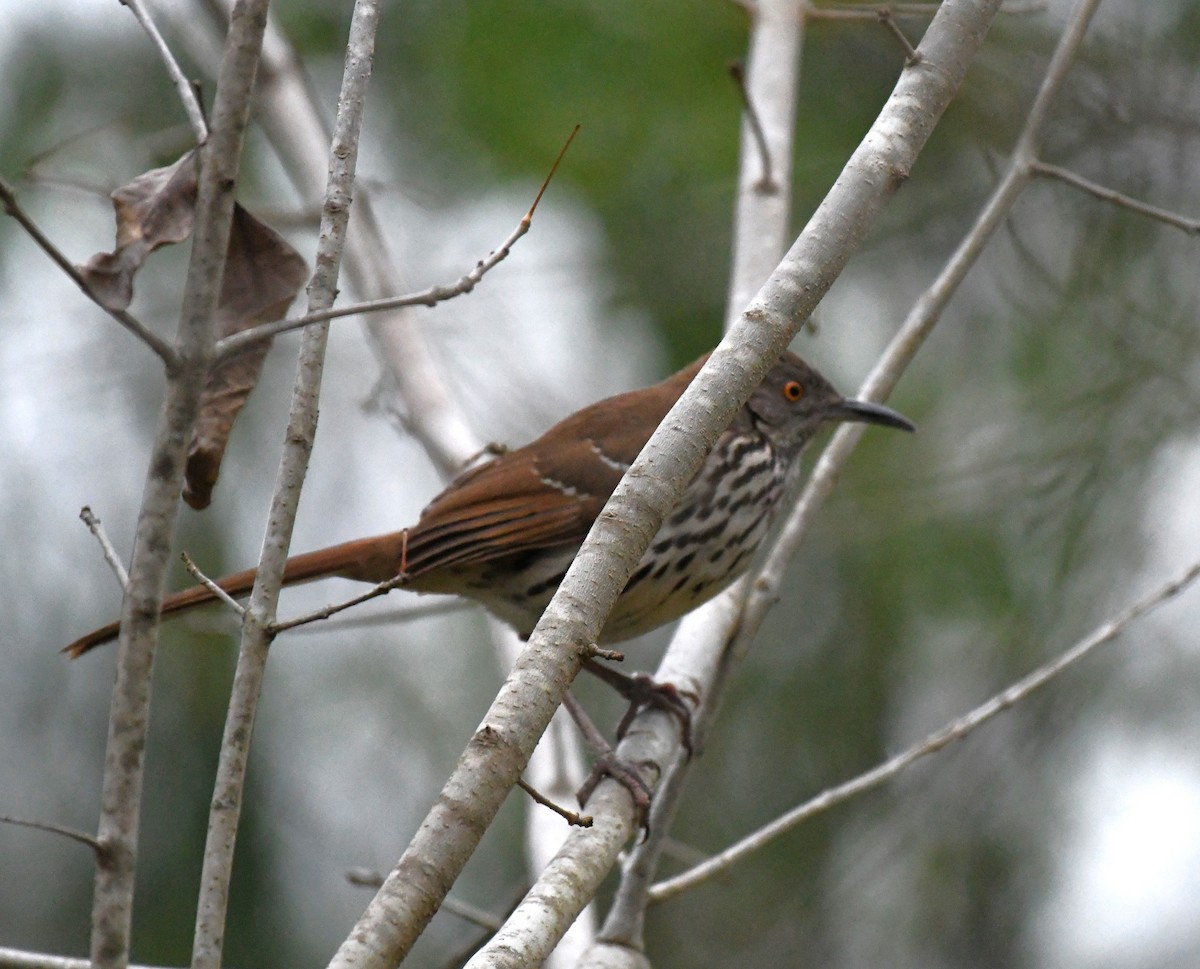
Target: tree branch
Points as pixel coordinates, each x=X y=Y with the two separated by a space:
x=135 y=326
x=96 y=527
x=121 y=797
x=237 y=342
x=228 y=790
x=187 y=96
x=951 y=733
x=23 y=959
x=1046 y=170
x=223 y=596
x=760 y=232
x=501 y=746
x=81 y=836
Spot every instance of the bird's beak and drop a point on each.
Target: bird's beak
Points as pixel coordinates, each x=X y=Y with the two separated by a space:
x=868 y=413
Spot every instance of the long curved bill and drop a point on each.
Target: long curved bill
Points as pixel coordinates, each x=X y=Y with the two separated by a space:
x=868 y=413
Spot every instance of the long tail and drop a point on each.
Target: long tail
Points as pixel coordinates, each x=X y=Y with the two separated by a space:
x=366 y=559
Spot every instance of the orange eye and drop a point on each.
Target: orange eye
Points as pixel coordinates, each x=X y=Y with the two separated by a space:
x=793 y=390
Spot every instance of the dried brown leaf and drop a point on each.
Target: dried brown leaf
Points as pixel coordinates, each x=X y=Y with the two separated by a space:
x=263 y=274
x=156 y=209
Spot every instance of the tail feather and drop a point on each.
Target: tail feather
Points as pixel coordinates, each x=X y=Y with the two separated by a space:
x=366 y=560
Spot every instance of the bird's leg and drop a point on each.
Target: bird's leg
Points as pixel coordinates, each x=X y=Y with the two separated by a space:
x=642 y=690
x=607 y=763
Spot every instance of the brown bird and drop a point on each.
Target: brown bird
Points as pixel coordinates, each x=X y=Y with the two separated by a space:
x=505 y=532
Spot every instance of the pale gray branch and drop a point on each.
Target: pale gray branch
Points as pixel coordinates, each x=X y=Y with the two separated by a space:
x=96 y=527
x=228 y=790
x=501 y=746
x=135 y=326
x=51 y=828
x=211 y=586
x=1045 y=169
x=761 y=221
x=954 y=731
x=23 y=959
x=121 y=796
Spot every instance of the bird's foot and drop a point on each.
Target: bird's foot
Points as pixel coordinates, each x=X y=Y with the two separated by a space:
x=610 y=765
x=642 y=690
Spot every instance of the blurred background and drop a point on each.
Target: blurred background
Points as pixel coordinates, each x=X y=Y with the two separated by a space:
x=1055 y=479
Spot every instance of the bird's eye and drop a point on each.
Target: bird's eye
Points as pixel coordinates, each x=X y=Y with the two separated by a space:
x=793 y=390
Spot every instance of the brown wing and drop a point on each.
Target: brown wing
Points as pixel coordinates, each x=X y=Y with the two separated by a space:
x=547 y=493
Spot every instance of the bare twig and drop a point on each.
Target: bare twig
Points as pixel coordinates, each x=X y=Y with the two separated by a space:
x=390 y=617
x=911 y=55
x=75 y=835
x=231 y=345
x=571 y=817
x=472 y=913
x=24 y=959
x=364 y=878
x=211 y=586
x=382 y=589
x=761 y=219
x=872 y=11
x=187 y=94
x=954 y=731
x=764 y=183
x=228 y=790
x=135 y=326
x=96 y=527
x=1045 y=169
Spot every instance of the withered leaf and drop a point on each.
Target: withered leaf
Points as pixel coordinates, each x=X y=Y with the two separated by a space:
x=156 y=209
x=263 y=274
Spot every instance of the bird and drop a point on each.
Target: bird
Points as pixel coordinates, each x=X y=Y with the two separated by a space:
x=504 y=533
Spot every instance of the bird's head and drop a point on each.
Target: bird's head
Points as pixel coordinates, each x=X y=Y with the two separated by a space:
x=794 y=400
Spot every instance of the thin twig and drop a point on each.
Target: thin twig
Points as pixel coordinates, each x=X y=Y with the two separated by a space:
x=231 y=345
x=13 y=208
x=953 y=731
x=872 y=11
x=211 y=586
x=1190 y=226
x=390 y=617
x=74 y=834
x=363 y=878
x=187 y=94
x=764 y=182
x=382 y=589
x=96 y=527
x=571 y=817
x=587 y=727
x=24 y=959
x=911 y=54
